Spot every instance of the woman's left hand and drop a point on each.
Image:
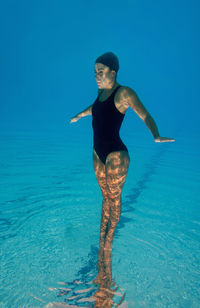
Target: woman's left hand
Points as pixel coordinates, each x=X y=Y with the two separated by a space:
x=164 y=139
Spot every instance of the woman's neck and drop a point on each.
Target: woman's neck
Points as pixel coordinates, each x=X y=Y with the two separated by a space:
x=107 y=90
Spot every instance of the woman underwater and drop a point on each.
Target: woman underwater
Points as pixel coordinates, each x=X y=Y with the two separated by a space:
x=110 y=155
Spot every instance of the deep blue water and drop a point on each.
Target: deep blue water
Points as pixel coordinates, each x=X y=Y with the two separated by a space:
x=50 y=202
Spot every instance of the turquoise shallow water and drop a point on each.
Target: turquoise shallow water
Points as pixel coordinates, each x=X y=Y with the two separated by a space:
x=50 y=219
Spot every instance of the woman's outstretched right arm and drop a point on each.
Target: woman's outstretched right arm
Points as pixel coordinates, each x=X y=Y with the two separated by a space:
x=84 y=113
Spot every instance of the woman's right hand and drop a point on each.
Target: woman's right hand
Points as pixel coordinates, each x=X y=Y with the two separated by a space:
x=74 y=119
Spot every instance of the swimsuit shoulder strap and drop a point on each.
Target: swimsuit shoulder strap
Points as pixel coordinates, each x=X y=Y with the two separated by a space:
x=117 y=88
x=113 y=94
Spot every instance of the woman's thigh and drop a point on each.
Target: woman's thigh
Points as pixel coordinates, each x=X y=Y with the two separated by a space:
x=116 y=169
x=99 y=169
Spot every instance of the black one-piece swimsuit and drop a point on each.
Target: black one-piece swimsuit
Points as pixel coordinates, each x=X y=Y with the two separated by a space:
x=106 y=123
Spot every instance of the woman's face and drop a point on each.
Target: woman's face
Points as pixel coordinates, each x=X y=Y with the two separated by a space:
x=103 y=76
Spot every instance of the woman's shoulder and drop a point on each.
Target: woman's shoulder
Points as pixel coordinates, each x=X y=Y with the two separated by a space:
x=125 y=91
x=125 y=88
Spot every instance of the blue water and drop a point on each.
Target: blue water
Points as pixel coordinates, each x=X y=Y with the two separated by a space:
x=50 y=202
x=50 y=220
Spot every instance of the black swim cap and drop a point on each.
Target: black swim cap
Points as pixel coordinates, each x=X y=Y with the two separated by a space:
x=109 y=59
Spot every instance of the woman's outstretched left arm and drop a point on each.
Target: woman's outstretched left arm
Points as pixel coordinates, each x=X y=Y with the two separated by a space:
x=134 y=102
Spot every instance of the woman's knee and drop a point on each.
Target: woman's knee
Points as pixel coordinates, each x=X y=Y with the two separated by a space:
x=114 y=196
x=105 y=195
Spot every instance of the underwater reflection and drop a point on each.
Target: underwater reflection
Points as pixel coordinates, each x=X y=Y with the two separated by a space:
x=107 y=286
x=101 y=292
